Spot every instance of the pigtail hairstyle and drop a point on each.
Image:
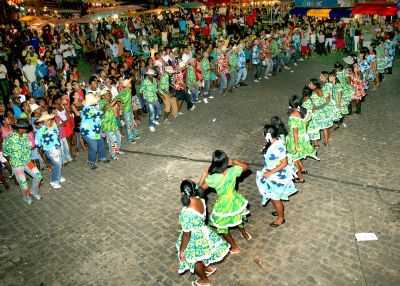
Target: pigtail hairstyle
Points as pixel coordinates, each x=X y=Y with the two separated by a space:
x=188 y=189
x=270 y=132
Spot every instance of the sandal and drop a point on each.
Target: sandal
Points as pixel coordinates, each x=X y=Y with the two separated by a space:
x=234 y=251
x=249 y=237
x=273 y=224
x=274 y=213
x=208 y=274
x=195 y=283
x=305 y=172
x=298 y=181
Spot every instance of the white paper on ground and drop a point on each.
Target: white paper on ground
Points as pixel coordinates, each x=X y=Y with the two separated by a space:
x=366 y=236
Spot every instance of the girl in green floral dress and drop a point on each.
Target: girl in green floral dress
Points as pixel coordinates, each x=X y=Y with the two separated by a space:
x=343 y=78
x=198 y=245
x=321 y=118
x=313 y=134
x=337 y=97
x=230 y=208
x=298 y=144
x=327 y=90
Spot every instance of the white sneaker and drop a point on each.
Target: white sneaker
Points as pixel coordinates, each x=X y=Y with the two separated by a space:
x=301 y=59
x=37 y=197
x=266 y=77
x=152 y=129
x=205 y=100
x=211 y=97
x=256 y=80
x=55 y=185
x=180 y=113
x=295 y=64
x=291 y=70
x=63 y=180
x=270 y=74
x=156 y=122
x=193 y=108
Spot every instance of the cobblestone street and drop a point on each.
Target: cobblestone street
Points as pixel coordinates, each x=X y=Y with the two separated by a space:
x=118 y=225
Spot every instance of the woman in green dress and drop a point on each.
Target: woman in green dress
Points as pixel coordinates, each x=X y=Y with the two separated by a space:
x=321 y=118
x=230 y=209
x=198 y=245
x=298 y=144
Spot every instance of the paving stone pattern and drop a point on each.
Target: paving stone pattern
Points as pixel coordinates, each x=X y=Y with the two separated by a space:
x=118 y=225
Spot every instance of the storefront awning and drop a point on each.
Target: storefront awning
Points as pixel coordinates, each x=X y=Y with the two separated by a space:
x=337 y=13
x=374 y=9
x=320 y=13
x=299 y=11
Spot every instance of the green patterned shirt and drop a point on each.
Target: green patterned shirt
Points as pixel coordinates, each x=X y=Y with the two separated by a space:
x=233 y=62
x=164 y=82
x=149 y=90
x=126 y=99
x=205 y=69
x=18 y=148
x=190 y=77
x=109 y=122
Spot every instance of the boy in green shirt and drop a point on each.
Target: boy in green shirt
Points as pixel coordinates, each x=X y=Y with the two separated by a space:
x=149 y=91
x=125 y=97
x=109 y=124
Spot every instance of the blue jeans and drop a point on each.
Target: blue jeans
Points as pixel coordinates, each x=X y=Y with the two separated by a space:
x=130 y=130
x=55 y=159
x=232 y=78
x=96 y=149
x=154 y=112
x=223 y=82
x=258 y=69
x=66 y=155
x=114 y=142
x=194 y=92
x=242 y=74
x=206 y=88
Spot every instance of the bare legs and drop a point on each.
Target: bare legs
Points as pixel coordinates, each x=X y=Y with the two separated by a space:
x=234 y=247
x=200 y=270
x=300 y=170
x=280 y=211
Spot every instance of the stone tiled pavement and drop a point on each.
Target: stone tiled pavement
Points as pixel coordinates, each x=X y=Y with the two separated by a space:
x=118 y=225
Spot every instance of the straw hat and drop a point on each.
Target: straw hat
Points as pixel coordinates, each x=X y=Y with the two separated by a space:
x=33 y=107
x=22 y=124
x=348 y=60
x=104 y=91
x=90 y=99
x=45 y=116
x=150 y=72
x=182 y=65
x=169 y=69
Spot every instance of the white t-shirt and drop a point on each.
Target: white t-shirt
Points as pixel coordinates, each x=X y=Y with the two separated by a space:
x=30 y=72
x=66 y=50
x=3 y=71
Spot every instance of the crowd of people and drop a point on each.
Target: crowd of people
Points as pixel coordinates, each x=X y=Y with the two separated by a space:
x=154 y=65
x=323 y=106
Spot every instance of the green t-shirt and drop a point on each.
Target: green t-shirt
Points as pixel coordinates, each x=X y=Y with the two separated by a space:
x=109 y=122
